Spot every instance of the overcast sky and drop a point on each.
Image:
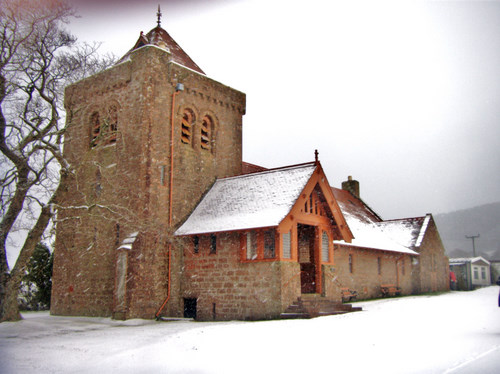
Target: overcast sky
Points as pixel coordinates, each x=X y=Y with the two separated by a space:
x=403 y=96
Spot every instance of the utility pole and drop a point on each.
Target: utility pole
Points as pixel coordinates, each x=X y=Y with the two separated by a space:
x=473 y=237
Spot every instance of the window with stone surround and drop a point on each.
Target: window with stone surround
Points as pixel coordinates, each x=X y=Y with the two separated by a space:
x=98 y=183
x=104 y=129
x=351 y=268
x=213 y=244
x=196 y=244
x=187 y=124
x=379 y=265
x=95 y=124
x=112 y=125
x=202 y=245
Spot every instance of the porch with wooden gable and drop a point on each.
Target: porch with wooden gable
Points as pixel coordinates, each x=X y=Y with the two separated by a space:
x=284 y=222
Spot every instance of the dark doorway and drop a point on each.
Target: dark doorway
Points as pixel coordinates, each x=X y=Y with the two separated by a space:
x=189 y=308
x=307 y=259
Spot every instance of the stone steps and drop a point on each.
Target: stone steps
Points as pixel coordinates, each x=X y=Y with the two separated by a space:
x=310 y=306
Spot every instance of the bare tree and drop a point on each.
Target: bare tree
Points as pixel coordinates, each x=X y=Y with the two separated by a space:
x=38 y=58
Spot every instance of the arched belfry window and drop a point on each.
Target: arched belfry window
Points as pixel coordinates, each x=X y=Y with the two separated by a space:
x=207 y=126
x=187 y=126
x=113 y=124
x=95 y=124
x=104 y=129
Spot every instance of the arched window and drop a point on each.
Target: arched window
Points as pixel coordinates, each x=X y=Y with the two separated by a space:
x=187 y=126
x=95 y=124
x=207 y=125
x=98 y=185
x=112 y=129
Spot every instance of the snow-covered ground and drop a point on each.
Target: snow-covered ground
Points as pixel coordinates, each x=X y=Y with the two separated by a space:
x=449 y=333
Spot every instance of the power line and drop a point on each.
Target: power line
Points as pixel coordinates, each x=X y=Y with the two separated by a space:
x=473 y=237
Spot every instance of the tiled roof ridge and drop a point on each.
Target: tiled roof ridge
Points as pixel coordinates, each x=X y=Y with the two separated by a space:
x=362 y=202
x=268 y=171
x=367 y=206
x=246 y=166
x=158 y=29
x=406 y=219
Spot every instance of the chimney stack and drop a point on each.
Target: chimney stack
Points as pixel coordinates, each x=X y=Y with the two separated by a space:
x=351 y=185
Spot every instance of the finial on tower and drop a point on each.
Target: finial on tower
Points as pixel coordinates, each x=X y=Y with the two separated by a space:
x=316 y=155
x=158 y=14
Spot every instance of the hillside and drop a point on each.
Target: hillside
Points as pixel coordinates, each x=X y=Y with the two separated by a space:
x=483 y=220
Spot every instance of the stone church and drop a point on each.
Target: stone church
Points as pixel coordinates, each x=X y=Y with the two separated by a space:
x=162 y=218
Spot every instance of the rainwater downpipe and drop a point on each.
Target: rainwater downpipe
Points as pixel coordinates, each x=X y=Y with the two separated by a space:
x=179 y=87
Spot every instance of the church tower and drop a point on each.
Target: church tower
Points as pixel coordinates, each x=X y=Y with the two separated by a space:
x=146 y=138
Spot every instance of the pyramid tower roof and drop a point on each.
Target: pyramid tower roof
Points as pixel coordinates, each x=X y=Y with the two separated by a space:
x=161 y=38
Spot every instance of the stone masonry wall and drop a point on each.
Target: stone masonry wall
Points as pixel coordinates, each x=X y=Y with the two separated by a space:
x=195 y=168
x=365 y=278
x=433 y=267
x=225 y=287
x=107 y=181
x=122 y=187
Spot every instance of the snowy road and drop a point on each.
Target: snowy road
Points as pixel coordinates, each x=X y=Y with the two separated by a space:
x=455 y=333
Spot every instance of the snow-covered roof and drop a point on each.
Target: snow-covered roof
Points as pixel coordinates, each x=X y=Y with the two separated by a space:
x=423 y=230
x=370 y=231
x=463 y=260
x=408 y=232
x=393 y=238
x=160 y=38
x=248 y=201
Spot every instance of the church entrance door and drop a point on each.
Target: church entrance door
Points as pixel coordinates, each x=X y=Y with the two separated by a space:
x=307 y=258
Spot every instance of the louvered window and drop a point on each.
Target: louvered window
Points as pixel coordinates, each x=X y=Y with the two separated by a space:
x=186 y=126
x=206 y=132
x=325 y=253
x=287 y=248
